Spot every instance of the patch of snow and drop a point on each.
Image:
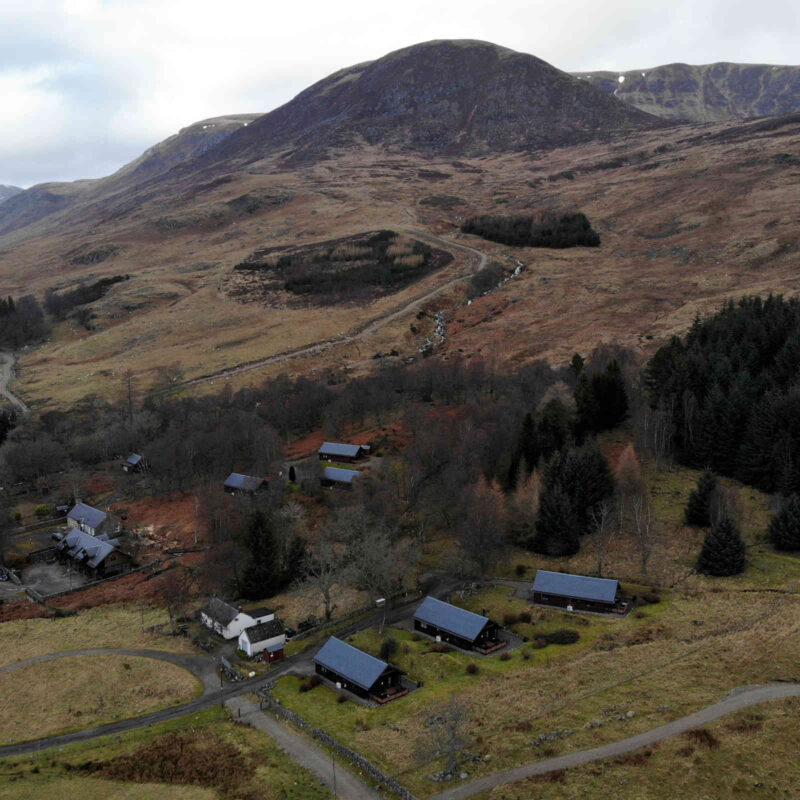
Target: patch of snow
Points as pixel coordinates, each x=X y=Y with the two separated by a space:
x=621 y=79
x=643 y=74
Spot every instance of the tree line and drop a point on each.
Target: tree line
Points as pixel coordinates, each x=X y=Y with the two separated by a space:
x=545 y=229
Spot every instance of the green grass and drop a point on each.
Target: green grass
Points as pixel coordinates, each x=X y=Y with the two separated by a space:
x=298 y=644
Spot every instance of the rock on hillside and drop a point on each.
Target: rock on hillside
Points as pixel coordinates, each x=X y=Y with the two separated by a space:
x=7 y=192
x=461 y=96
x=705 y=93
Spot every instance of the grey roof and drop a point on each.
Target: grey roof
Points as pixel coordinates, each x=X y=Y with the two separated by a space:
x=91 y=517
x=264 y=631
x=580 y=587
x=341 y=449
x=247 y=482
x=451 y=618
x=220 y=611
x=340 y=475
x=255 y=613
x=83 y=546
x=350 y=662
x=132 y=460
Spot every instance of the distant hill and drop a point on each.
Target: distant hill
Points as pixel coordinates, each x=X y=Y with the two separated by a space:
x=7 y=192
x=460 y=96
x=705 y=93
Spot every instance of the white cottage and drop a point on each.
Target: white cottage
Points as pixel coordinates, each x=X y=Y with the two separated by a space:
x=228 y=621
x=266 y=636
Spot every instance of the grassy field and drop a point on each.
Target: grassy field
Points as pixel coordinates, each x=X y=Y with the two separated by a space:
x=752 y=753
x=53 y=697
x=114 y=627
x=217 y=760
x=661 y=663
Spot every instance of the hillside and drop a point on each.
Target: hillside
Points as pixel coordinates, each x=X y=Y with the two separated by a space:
x=7 y=192
x=704 y=93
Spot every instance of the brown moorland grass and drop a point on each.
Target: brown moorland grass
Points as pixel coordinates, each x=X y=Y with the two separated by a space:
x=111 y=627
x=51 y=697
x=264 y=771
x=742 y=765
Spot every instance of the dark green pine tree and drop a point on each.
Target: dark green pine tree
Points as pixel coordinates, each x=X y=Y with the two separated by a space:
x=556 y=527
x=294 y=561
x=263 y=575
x=576 y=365
x=723 y=551
x=528 y=444
x=608 y=389
x=784 y=527
x=698 y=508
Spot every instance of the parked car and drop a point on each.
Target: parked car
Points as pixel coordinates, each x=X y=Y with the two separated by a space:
x=3 y=575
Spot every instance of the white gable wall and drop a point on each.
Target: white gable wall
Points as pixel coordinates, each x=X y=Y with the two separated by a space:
x=254 y=649
x=233 y=629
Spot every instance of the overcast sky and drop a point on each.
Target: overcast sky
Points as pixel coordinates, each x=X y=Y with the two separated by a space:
x=87 y=85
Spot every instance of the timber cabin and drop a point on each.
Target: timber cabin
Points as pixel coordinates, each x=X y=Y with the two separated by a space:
x=346 y=453
x=133 y=463
x=244 y=484
x=338 y=477
x=95 y=556
x=358 y=672
x=228 y=621
x=91 y=520
x=457 y=626
x=578 y=592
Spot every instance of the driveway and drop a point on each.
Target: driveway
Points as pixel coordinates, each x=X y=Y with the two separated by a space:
x=47 y=579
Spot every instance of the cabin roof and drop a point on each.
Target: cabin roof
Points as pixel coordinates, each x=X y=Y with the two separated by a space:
x=341 y=449
x=92 y=517
x=247 y=482
x=581 y=587
x=340 y=475
x=220 y=611
x=255 y=613
x=350 y=662
x=132 y=460
x=264 y=631
x=451 y=618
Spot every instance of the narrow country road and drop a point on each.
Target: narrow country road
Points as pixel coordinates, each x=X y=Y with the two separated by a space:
x=7 y=361
x=339 y=780
x=476 y=262
x=733 y=701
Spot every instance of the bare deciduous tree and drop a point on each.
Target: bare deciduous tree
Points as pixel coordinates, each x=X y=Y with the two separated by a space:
x=446 y=733
x=644 y=528
x=324 y=571
x=603 y=530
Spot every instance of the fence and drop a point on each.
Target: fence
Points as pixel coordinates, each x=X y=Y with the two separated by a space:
x=355 y=758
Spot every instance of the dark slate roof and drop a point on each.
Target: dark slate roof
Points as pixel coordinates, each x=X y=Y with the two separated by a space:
x=350 y=662
x=247 y=482
x=91 y=517
x=220 y=611
x=580 y=587
x=264 y=631
x=132 y=460
x=340 y=475
x=341 y=449
x=83 y=546
x=255 y=613
x=451 y=618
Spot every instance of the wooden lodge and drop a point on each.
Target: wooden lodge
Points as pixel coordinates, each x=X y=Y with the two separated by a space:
x=578 y=592
x=338 y=478
x=345 y=453
x=134 y=463
x=358 y=672
x=244 y=484
x=457 y=626
x=95 y=556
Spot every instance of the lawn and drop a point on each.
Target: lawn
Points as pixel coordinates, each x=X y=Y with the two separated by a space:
x=52 y=697
x=676 y=657
x=112 y=627
x=752 y=753
x=219 y=759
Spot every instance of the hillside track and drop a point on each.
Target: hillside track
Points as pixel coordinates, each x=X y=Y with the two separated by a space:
x=735 y=700
x=7 y=362
x=477 y=260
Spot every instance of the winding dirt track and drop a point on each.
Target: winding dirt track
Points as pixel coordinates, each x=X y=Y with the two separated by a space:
x=7 y=361
x=476 y=262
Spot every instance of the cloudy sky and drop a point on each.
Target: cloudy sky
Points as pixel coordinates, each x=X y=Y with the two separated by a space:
x=87 y=85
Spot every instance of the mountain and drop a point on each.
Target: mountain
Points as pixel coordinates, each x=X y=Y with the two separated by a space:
x=705 y=93
x=23 y=208
x=461 y=96
x=7 y=192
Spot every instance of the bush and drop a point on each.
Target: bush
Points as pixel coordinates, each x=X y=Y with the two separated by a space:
x=388 y=648
x=562 y=636
x=341 y=699
x=45 y=510
x=472 y=669
x=652 y=598
x=723 y=551
x=510 y=619
x=525 y=616
x=440 y=647
x=505 y=656
x=521 y=569
x=539 y=642
x=784 y=527
x=311 y=683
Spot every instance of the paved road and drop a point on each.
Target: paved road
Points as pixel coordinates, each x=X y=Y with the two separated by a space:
x=338 y=779
x=477 y=261
x=733 y=701
x=7 y=361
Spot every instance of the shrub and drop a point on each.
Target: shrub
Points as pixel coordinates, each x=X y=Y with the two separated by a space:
x=640 y=615
x=45 y=510
x=510 y=619
x=415 y=637
x=723 y=551
x=310 y=683
x=562 y=636
x=388 y=648
x=341 y=699
x=526 y=655
x=701 y=736
x=539 y=642
x=440 y=647
x=698 y=507
x=525 y=616
x=505 y=656
x=472 y=669
x=652 y=598
x=520 y=569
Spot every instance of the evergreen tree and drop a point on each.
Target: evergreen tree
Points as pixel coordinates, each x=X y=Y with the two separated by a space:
x=294 y=561
x=263 y=576
x=723 y=551
x=556 y=527
x=528 y=444
x=698 y=507
x=784 y=527
x=576 y=365
x=292 y=474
